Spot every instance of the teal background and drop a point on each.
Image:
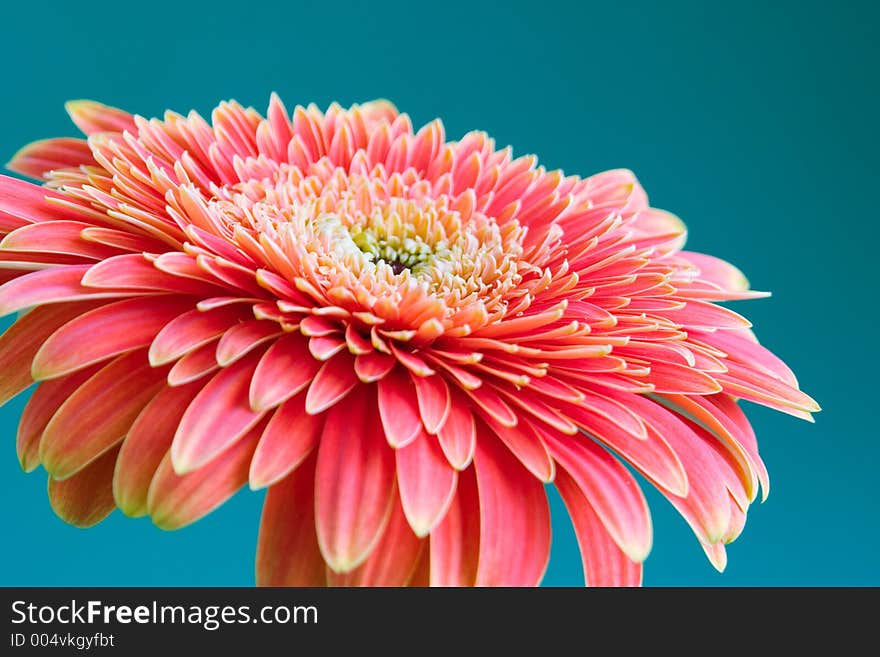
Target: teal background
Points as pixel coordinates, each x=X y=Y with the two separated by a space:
x=755 y=122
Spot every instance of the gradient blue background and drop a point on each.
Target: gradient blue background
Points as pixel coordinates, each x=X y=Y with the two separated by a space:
x=755 y=122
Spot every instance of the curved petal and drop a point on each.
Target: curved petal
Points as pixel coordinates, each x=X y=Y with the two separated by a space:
x=290 y=436
x=434 y=400
x=175 y=501
x=21 y=342
x=191 y=330
x=98 y=414
x=398 y=408
x=392 y=562
x=285 y=369
x=218 y=417
x=455 y=542
x=112 y=329
x=86 y=498
x=354 y=484
x=145 y=446
x=287 y=547
x=610 y=489
x=604 y=563
x=426 y=481
x=514 y=519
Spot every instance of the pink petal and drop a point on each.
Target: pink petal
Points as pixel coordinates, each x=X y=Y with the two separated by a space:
x=289 y=438
x=514 y=519
x=704 y=315
x=391 y=563
x=175 y=501
x=108 y=331
x=284 y=370
x=132 y=271
x=40 y=157
x=287 y=548
x=354 y=484
x=242 y=338
x=50 y=286
x=398 y=408
x=373 y=366
x=611 y=490
x=426 y=481
x=63 y=237
x=455 y=542
x=192 y=330
x=604 y=563
x=91 y=116
x=98 y=414
x=525 y=443
x=195 y=365
x=86 y=498
x=40 y=408
x=435 y=401
x=21 y=342
x=458 y=436
x=25 y=203
x=219 y=416
x=333 y=382
x=681 y=379
x=145 y=446
x=760 y=388
x=717 y=271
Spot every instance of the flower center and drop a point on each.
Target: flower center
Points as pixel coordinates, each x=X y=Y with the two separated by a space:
x=386 y=240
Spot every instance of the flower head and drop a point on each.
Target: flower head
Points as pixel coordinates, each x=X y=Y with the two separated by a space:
x=403 y=338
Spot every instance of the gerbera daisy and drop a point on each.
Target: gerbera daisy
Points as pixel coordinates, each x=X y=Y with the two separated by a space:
x=402 y=338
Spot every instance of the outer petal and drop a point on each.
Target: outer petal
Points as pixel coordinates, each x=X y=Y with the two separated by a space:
x=287 y=548
x=21 y=342
x=105 y=332
x=455 y=542
x=40 y=157
x=42 y=405
x=354 y=483
x=604 y=563
x=145 y=446
x=98 y=414
x=175 y=501
x=86 y=498
x=514 y=519
x=392 y=562
x=611 y=490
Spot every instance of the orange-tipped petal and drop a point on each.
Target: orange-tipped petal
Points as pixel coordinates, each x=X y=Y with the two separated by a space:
x=354 y=484
x=86 y=498
x=98 y=414
x=145 y=446
x=91 y=116
x=175 y=501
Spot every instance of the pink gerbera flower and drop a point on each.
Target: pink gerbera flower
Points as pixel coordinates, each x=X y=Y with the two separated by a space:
x=402 y=338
